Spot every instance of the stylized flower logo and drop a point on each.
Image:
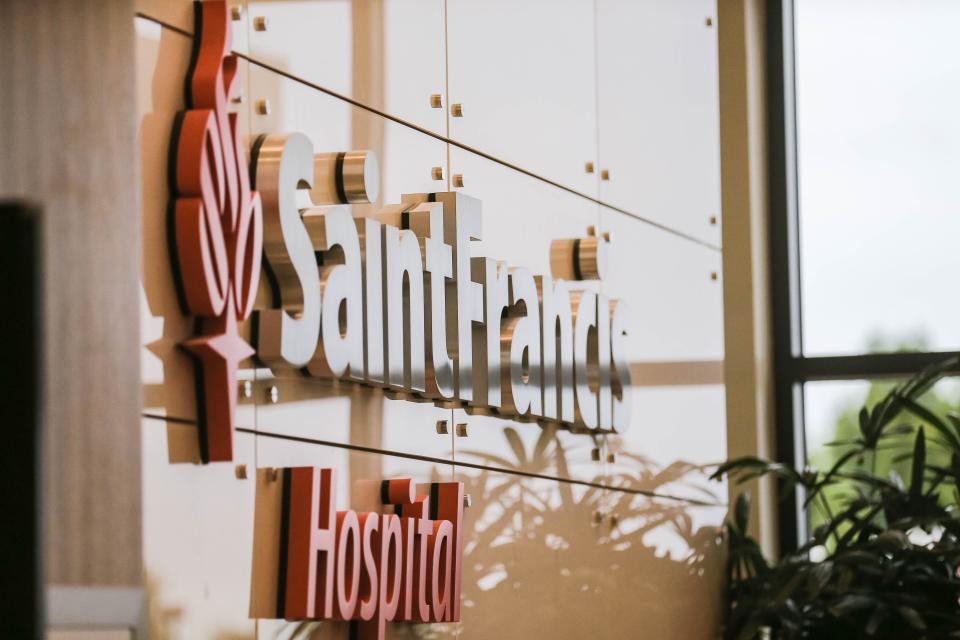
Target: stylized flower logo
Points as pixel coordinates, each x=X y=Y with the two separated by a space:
x=216 y=228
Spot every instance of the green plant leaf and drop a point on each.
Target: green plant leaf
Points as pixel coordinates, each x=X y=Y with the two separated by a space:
x=919 y=460
x=934 y=421
x=741 y=513
x=820 y=577
x=850 y=603
x=878 y=616
x=820 y=533
x=910 y=615
x=864 y=423
x=737 y=465
x=896 y=480
x=954 y=419
x=892 y=540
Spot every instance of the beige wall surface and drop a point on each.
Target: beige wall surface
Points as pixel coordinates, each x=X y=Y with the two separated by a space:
x=559 y=544
x=67 y=115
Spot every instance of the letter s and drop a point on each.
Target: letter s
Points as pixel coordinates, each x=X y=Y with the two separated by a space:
x=287 y=336
x=369 y=579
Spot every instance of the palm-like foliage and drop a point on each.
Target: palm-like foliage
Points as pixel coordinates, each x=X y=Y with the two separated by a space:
x=892 y=549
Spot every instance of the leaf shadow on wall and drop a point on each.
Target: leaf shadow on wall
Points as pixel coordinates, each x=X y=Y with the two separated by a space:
x=540 y=559
x=537 y=564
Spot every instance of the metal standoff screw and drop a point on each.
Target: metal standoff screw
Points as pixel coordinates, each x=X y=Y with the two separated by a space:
x=238 y=99
x=589 y=167
x=709 y=21
x=595 y=454
x=442 y=427
x=236 y=12
x=436 y=173
x=713 y=275
x=592 y=231
x=246 y=389
x=614 y=521
x=462 y=430
x=597 y=517
x=713 y=219
x=456 y=110
x=606 y=236
x=240 y=471
x=273 y=394
x=467 y=501
x=436 y=101
x=611 y=457
x=458 y=180
x=604 y=174
x=261 y=23
x=263 y=107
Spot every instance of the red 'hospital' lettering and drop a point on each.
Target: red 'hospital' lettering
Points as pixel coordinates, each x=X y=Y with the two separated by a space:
x=368 y=568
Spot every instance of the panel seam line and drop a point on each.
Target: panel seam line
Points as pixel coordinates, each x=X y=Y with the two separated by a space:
x=453 y=463
x=446 y=139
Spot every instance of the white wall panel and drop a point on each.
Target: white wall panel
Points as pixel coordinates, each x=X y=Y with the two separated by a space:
x=406 y=156
x=521 y=215
x=675 y=434
x=197 y=542
x=386 y=55
x=676 y=305
x=524 y=73
x=658 y=117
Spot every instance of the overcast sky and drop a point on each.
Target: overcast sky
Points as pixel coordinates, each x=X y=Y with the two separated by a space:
x=878 y=93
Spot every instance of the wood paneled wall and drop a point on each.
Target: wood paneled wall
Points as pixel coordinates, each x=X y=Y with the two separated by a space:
x=67 y=112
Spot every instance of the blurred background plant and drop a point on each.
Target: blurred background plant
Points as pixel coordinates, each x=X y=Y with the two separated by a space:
x=843 y=423
x=882 y=556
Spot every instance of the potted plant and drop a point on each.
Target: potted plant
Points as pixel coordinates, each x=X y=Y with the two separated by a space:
x=883 y=562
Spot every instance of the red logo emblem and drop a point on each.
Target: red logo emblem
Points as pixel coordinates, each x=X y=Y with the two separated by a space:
x=216 y=229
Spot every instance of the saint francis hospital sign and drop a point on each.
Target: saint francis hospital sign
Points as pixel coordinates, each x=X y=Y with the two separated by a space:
x=397 y=301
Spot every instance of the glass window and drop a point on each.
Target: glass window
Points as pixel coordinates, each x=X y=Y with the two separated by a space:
x=865 y=218
x=878 y=168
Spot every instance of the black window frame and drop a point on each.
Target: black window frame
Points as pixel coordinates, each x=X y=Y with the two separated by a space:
x=791 y=368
